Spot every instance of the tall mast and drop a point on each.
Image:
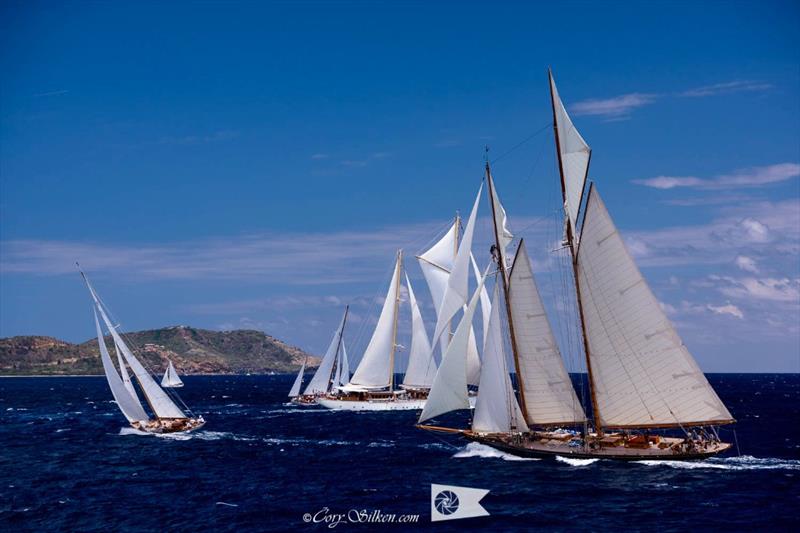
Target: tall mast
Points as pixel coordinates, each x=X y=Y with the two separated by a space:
x=398 y=267
x=503 y=275
x=573 y=253
x=338 y=346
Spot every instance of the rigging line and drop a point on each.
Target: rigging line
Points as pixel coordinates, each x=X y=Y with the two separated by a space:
x=528 y=138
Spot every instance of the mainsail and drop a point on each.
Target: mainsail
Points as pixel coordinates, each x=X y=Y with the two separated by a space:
x=376 y=369
x=573 y=155
x=549 y=395
x=128 y=404
x=321 y=382
x=496 y=409
x=421 y=366
x=298 y=381
x=171 y=378
x=449 y=391
x=643 y=375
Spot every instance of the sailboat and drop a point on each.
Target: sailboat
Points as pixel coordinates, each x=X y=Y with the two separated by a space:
x=167 y=417
x=332 y=371
x=372 y=386
x=171 y=379
x=649 y=398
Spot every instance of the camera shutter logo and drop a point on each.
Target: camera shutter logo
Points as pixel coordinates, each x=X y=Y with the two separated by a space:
x=449 y=502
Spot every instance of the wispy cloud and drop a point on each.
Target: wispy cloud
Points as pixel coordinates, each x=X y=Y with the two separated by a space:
x=616 y=107
x=727 y=309
x=727 y=87
x=743 y=178
x=50 y=93
x=190 y=140
x=748 y=264
x=319 y=156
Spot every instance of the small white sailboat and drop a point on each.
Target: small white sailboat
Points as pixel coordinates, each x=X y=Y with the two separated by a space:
x=167 y=416
x=332 y=371
x=171 y=379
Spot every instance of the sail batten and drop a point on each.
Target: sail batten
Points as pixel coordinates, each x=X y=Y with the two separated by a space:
x=643 y=374
x=549 y=395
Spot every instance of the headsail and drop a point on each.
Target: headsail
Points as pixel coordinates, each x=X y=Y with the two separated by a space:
x=298 y=381
x=496 y=410
x=449 y=391
x=375 y=371
x=421 y=366
x=129 y=405
x=321 y=382
x=436 y=264
x=457 y=291
x=344 y=367
x=573 y=156
x=549 y=395
x=126 y=379
x=643 y=374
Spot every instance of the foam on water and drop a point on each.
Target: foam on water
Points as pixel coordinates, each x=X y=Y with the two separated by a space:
x=573 y=461
x=745 y=462
x=475 y=449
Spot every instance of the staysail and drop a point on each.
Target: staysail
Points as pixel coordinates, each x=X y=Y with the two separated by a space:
x=321 y=382
x=343 y=372
x=643 y=375
x=573 y=155
x=449 y=391
x=298 y=381
x=496 y=409
x=126 y=378
x=375 y=371
x=549 y=395
x=436 y=264
x=128 y=404
x=421 y=366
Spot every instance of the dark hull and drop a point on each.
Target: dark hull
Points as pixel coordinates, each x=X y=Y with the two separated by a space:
x=536 y=449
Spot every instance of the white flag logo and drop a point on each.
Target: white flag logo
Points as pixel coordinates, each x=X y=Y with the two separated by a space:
x=449 y=502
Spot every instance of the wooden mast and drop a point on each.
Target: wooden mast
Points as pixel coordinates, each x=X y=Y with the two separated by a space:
x=398 y=267
x=501 y=264
x=573 y=253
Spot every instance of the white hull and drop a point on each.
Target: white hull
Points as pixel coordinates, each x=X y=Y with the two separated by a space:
x=378 y=404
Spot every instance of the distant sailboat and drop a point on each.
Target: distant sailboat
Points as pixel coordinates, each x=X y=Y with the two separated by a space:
x=168 y=417
x=331 y=370
x=171 y=378
x=642 y=377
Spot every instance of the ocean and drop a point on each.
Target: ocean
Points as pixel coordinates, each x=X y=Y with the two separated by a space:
x=68 y=461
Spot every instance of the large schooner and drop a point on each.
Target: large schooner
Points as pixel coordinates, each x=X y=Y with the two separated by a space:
x=332 y=371
x=168 y=417
x=649 y=399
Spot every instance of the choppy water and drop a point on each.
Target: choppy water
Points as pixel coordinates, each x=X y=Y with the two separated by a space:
x=69 y=462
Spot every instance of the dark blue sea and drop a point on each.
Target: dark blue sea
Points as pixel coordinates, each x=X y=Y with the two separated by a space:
x=69 y=462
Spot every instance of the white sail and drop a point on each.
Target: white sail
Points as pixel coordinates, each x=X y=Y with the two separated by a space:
x=496 y=410
x=321 y=381
x=643 y=374
x=546 y=386
x=449 y=391
x=162 y=405
x=574 y=155
x=129 y=405
x=375 y=369
x=344 y=365
x=457 y=291
x=503 y=235
x=421 y=366
x=126 y=379
x=473 y=359
x=298 y=381
x=486 y=304
x=436 y=264
x=171 y=378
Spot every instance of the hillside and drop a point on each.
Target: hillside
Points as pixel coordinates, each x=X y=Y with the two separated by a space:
x=192 y=351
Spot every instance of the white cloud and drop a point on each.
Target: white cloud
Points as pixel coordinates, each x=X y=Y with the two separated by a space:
x=727 y=87
x=742 y=178
x=747 y=264
x=727 y=309
x=771 y=289
x=616 y=107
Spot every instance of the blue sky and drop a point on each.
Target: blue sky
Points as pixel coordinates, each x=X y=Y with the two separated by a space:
x=256 y=165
